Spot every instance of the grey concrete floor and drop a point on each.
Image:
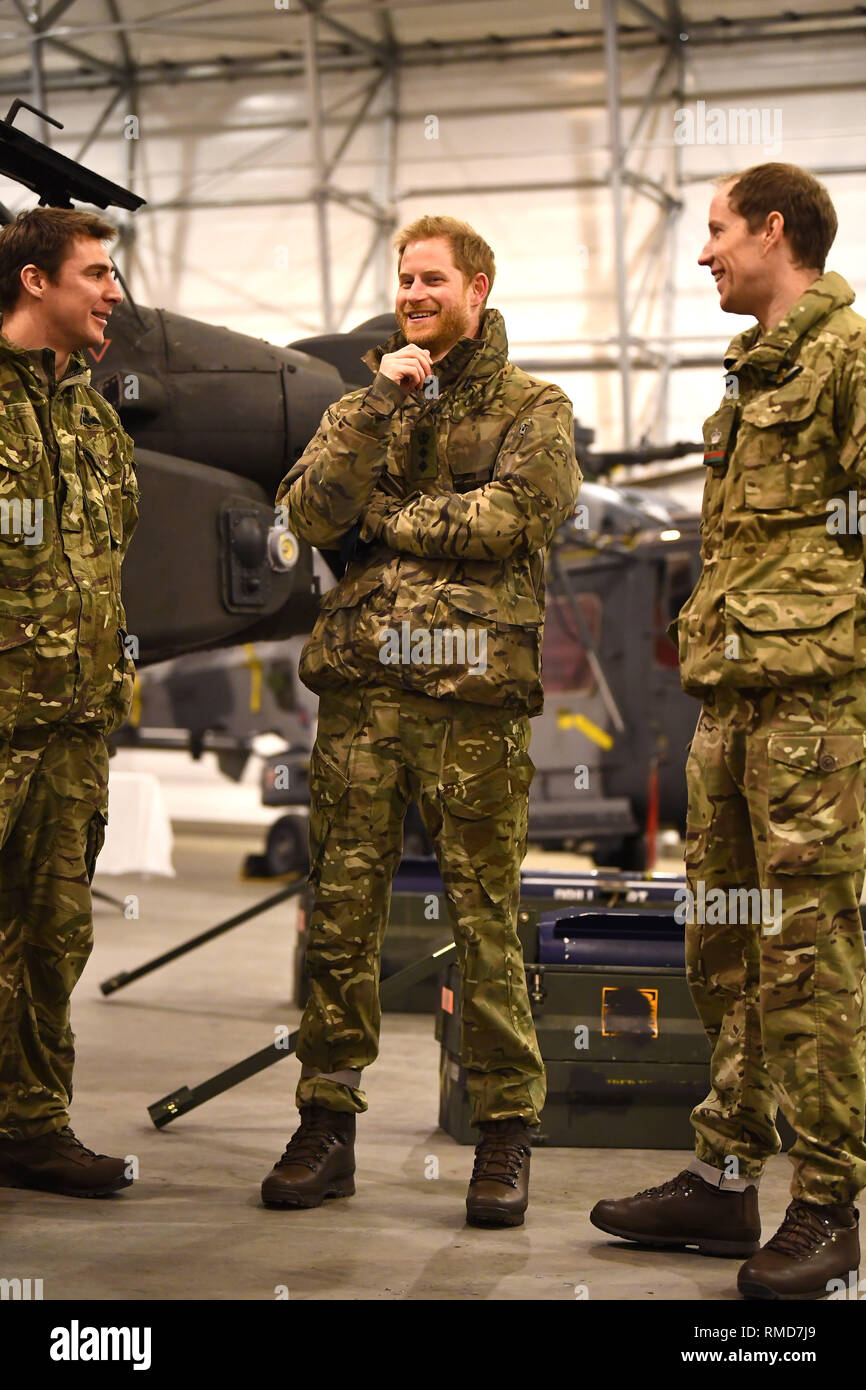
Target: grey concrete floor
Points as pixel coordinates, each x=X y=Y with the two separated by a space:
x=193 y=1226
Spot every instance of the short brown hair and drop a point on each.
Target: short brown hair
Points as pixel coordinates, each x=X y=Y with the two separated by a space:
x=42 y=237
x=805 y=204
x=469 y=251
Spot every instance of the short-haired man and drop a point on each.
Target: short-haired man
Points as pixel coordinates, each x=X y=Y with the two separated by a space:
x=773 y=640
x=426 y=656
x=68 y=507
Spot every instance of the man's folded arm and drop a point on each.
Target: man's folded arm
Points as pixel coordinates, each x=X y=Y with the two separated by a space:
x=331 y=483
x=518 y=513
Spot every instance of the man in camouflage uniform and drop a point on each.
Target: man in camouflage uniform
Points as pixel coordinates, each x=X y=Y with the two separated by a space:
x=426 y=656
x=773 y=640
x=68 y=507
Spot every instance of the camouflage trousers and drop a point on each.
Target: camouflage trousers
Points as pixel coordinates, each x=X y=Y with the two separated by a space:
x=53 y=800
x=776 y=803
x=469 y=770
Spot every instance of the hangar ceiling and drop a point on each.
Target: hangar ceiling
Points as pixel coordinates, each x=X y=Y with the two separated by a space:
x=118 y=50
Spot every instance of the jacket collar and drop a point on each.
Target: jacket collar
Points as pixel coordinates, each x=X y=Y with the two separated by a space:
x=40 y=363
x=469 y=358
x=774 y=355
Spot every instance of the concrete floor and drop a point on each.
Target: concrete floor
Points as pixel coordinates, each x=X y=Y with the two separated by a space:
x=193 y=1227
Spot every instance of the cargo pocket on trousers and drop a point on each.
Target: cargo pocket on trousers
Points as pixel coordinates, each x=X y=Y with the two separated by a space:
x=699 y=815
x=328 y=786
x=94 y=841
x=816 y=803
x=488 y=810
x=17 y=655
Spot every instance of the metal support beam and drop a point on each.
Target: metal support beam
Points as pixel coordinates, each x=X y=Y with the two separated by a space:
x=661 y=416
x=390 y=137
x=648 y=104
x=358 y=41
x=616 y=191
x=359 y=276
x=58 y=9
x=97 y=127
x=320 y=191
x=87 y=60
x=353 y=125
x=37 y=85
x=655 y=21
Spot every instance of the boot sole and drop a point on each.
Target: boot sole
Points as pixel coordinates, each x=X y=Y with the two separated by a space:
x=494 y=1218
x=9 y=1180
x=345 y=1187
x=705 y=1245
x=760 y=1291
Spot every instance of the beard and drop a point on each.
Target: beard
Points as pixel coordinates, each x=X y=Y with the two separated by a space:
x=451 y=322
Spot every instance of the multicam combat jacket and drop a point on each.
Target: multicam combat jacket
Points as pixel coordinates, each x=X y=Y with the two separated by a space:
x=780 y=599
x=68 y=508
x=458 y=495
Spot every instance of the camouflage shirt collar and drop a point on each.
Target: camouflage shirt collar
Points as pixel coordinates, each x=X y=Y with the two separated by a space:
x=469 y=358
x=39 y=363
x=774 y=353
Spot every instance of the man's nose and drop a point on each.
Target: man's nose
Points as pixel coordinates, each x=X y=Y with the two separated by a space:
x=114 y=294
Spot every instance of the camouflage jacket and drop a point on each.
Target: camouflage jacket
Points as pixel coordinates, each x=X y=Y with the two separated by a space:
x=68 y=508
x=457 y=496
x=780 y=599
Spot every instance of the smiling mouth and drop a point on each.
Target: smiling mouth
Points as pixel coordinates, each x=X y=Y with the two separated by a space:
x=103 y=318
x=420 y=316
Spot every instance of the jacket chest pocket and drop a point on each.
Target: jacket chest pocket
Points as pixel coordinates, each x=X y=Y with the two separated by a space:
x=101 y=478
x=471 y=450
x=785 y=437
x=21 y=502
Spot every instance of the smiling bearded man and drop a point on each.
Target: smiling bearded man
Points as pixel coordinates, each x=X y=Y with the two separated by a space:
x=443 y=483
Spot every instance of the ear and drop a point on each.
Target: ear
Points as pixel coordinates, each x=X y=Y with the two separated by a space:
x=479 y=288
x=774 y=229
x=33 y=280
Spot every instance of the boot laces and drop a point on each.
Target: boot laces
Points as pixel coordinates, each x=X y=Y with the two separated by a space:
x=67 y=1133
x=499 y=1158
x=801 y=1232
x=310 y=1143
x=683 y=1182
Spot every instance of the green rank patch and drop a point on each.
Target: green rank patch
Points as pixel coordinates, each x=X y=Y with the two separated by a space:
x=423 y=462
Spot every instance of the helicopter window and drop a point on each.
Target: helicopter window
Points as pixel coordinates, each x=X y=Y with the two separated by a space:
x=564 y=662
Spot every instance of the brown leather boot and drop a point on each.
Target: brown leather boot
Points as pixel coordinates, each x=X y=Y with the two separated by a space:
x=319 y=1161
x=813 y=1245
x=685 y=1211
x=499 y=1187
x=58 y=1162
